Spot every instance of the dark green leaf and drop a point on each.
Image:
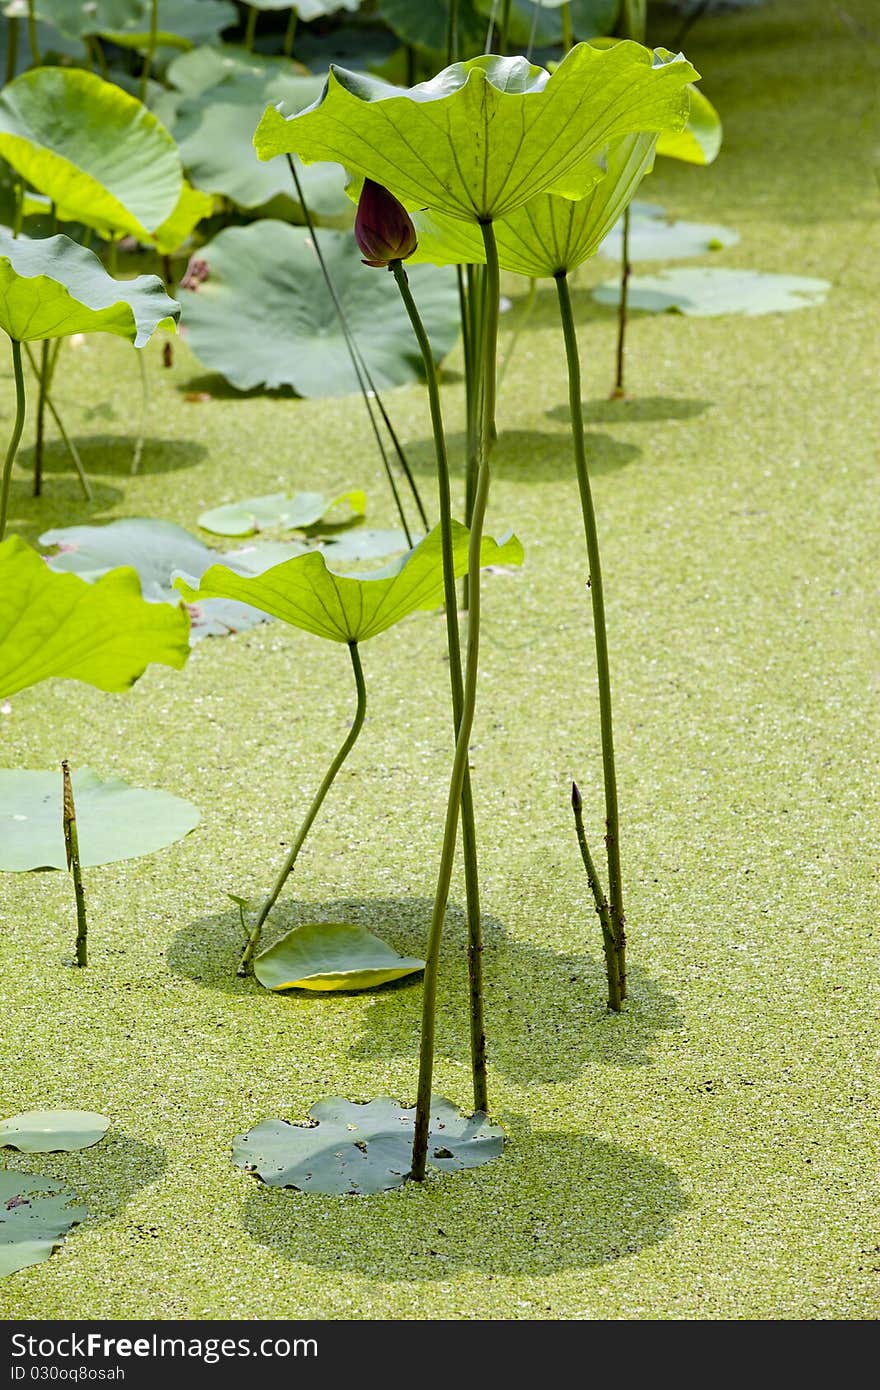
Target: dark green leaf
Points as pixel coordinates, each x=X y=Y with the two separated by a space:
x=35 y=1216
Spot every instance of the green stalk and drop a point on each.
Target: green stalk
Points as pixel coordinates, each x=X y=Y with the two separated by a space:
x=32 y=34
x=71 y=844
x=17 y=428
x=608 y=942
x=68 y=442
x=468 y=826
x=505 y=25
x=41 y=417
x=460 y=761
x=11 y=47
x=329 y=777
x=145 y=403
x=612 y=831
x=289 y=35
x=151 y=49
x=619 y=392
x=567 y=31
x=250 y=32
x=452 y=33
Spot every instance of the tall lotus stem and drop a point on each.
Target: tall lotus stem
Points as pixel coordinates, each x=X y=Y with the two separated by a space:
x=150 y=54
x=32 y=34
x=68 y=442
x=71 y=845
x=250 y=32
x=619 y=391
x=289 y=34
x=18 y=426
x=460 y=761
x=604 y=913
x=468 y=827
x=452 y=33
x=253 y=940
x=612 y=831
x=11 y=47
x=567 y=30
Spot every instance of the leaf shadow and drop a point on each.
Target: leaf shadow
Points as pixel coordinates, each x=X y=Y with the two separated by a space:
x=61 y=504
x=558 y=1201
x=634 y=410
x=546 y=1014
x=216 y=386
x=112 y=454
x=531 y=456
x=104 y=1177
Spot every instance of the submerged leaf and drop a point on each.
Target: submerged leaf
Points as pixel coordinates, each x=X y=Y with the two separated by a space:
x=114 y=821
x=58 y=625
x=55 y=287
x=348 y=608
x=52 y=1131
x=703 y=293
x=35 y=1216
x=352 y=1148
x=330 y=956
x=279 y=512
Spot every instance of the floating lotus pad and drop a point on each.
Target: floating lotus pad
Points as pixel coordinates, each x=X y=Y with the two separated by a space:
x=329 y=956
x=704 y=292
x=52 y=1131
x=657 y=238
x=352 y=1148
x=54 y=287
x=114 y=821
x=35 y=1216
x=345 y=608
x=278 y=511
x=58 y=625
x=264 y=317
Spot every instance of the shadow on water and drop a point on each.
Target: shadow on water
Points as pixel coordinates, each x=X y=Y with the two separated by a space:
x=105 y=1177
x=635 y=410
x=530 y=456
x=111 y=454
x=558 y=1201
x=546 y=1018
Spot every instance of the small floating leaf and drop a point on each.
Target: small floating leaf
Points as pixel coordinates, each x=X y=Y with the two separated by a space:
x=329 y=956
x=347 y=1147
x=704 y=292
x=277 y=511
x=114 y=821
x=52 y=1131
x=655 y=238
x=35 y=1216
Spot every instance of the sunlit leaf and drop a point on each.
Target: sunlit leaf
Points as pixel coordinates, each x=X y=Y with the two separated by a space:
x=263 y=316
x=35 y=1216
x=346 y=1147
x=55 y=287
x=58 y=625
x=277 y=511
x=328 y=956
x=114 y=821
x=347 y=608
x=52 y=1131
x=524 y=130
x=700 y=140
x=703 y=293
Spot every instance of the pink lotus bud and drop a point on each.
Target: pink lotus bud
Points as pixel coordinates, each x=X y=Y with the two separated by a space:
x=383 y=228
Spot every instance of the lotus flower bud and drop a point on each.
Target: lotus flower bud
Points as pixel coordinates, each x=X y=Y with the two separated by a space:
x=576 y=801
x=383 y=228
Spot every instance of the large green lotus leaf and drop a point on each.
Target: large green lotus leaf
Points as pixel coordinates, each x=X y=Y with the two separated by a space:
x=113 y=820
x=58 y=625
x=700 y=140
x=277 y=511
x=54 y=287
x=345 y=608
x=52 y=1131
x=424 y=24
x=35 y=1216
x=264 y=317
x=328 y=956
x=486 y=136
x=655 y=237
x=200 y=69
x=181 y=23
x=549 y=234
x=347 y=1147
x=98 y=153
x=309 y=9
x=703 y=293
x=541 y=24
x=156 y=550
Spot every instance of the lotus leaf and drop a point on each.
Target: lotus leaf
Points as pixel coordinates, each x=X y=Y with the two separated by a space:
x=35 y=1216
x=540 y=22
x=331 y=956
x=524 y=130
x=308 y=9
x=98 y=153
x=346 y=1147
x=343 y=608
x=181 y=23
x=424 y=24
x=700 y=140
x=363 y=543
x=703 y=293
x=52 y=1131
x=263 y=316
x=657 y=238
x=54 y=287
x=278 y=511
x=58 y=625
x=114 y=821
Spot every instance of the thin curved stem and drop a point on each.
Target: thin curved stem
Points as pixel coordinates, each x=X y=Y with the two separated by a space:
x=39 y=441
x=18 y=426
x=505 y=26
x=604 y=912
x=460 y=761
x=468 y=825
x=612 y=828
x=452 y=33
x=71 y=844
x=150 y=54
x=623 y=308
x=329 y=777
x=68 y=442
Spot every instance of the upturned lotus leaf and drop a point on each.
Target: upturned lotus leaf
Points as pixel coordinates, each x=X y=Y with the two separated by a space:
x=326 y=956
x=35 y=1216
x=348 y=608
x=58 y=625
x=52 y=1131
x=54 y=287
x=484 y=137
x=352 y=1148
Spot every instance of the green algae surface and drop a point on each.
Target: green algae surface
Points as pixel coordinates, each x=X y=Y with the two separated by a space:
x=710 y=1154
